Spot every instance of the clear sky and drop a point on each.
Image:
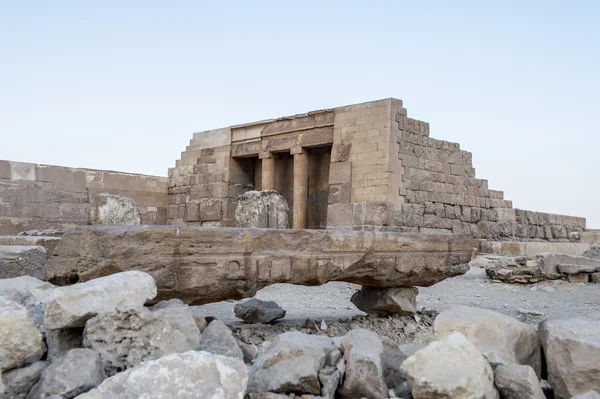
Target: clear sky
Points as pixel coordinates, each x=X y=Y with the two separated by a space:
x=122 y=85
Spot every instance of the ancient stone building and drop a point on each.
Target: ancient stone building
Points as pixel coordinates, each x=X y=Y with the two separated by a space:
x=362 y=167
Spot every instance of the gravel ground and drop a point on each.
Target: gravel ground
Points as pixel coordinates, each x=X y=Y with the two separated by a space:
x=331 y=302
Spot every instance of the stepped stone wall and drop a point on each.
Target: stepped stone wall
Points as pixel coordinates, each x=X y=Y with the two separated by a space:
x=34 y=197
x=384 y=173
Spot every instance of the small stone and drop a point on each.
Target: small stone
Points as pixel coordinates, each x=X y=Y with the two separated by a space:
x=250 y=351
x=323 y=325
x=77 y=372
x=514 y=381
x=189 y=375
x=217 y=338
x=72 y=306
x=180 y=317
x=257 y=311
x=18 y=382
x=384 y=301
x=20 y=339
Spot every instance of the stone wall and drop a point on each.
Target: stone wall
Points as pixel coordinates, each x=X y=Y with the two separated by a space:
x=43 y=196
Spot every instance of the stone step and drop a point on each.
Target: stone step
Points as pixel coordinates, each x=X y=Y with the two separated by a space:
x=47 y=242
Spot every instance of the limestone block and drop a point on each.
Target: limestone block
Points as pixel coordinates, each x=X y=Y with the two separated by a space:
x=20 y=339
x=230 y=263
x=514 y=382
x=192 y=212
x=198 y=375
x=262 y=209
x=385 y=301
x=49 y=243
x=340 y=151
x=500 y=338
x=428 y=371
x=114 y=209
x=18 y=260
x=18 y=382
x=180 y=317
x=340 y=193
x=572 y=351
x=72 y=306
x=217 y=338
x=210 y=209
x=340 y=172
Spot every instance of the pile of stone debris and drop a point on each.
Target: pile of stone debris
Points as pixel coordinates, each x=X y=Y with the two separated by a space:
x=98 y=340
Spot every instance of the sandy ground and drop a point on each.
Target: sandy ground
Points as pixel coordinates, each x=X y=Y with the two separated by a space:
x=331 y=302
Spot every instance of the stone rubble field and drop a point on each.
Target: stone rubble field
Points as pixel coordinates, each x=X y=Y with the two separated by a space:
x=106 y=338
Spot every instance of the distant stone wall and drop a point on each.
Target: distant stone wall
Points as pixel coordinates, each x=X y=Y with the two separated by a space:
x=43 y=196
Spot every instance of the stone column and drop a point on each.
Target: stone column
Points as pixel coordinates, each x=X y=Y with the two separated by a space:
x=300 y=217
x=268 y=171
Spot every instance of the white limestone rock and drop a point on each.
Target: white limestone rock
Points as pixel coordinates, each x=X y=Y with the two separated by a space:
x=364 y=372
x=386 y=301
x=451 y=368
x=114 y=209
x=126 y=338
x=262 y=209
x=20 y=339
x=291 y=363
x=572 y=349
x=18 y=382
x=179 y=316
x=500 y=338
x=33 y=293
x=217 y=338
x=73 y=305
x=78 y=371
x=514 y=381
x=189 y=375
x=587 y=395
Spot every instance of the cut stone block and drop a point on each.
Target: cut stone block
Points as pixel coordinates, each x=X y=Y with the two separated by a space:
x=17 y=260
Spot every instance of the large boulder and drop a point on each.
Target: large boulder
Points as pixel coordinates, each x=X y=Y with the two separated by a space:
x=179 y=316
x=257 y=311
x=500 y=338
x=385 y=301
x=20 y=339
x=572 y=350
x=291 y=363
x=22 y=260
x=114 y=209
x=514 y=381
x=262 y=209
x=127 y=338
x=78 y=371
x=217 y=338
x=364 y=373
x=190 y=375
x=18 y=382
x=200 y=265
x=72 y=306
x=451 y=368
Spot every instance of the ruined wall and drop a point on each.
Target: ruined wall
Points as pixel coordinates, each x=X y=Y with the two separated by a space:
x=43 y=196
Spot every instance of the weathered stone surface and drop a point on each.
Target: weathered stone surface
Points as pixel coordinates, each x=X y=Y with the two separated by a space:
x=257 y=311
x=200 y=265
x=114 y=209
x=126 y=338
x=587 y=395
x=450 y=368
x=31 y=293
x=514 y=381
x=511 y=269
x=61 y=341
x=18 y=382
x=500 y=338
x=594 y=251
x=217 y=338
x=572 y=349
x=576 y=269
x=20 y=339
x=392 y=358
x=179 y=316
x=549 y=263
x=579 y=278
x=364 y=374
x=262 y=209
x=22 y=260
x=383 y=301
x=49 y=243
x=291 y=364
x=78 y=371
x=190 y=375
x=72 y=306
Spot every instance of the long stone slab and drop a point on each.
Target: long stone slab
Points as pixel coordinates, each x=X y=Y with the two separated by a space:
x=47 y=242
x=201 y=265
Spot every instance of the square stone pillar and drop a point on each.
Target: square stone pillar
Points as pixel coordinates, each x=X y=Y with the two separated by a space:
x=268 y=170
x=300 y=216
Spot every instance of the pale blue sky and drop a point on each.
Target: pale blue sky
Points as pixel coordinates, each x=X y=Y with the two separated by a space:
x=122 y=85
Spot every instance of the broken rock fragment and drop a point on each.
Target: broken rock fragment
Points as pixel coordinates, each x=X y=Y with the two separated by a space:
x=20 y=339
x=257 y=311
x=385 y=301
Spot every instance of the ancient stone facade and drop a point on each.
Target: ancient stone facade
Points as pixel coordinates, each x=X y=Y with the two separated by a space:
x=360 y=167
x=44 y=196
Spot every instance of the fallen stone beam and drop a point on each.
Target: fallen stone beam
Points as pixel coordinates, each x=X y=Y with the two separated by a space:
x=201 y=265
